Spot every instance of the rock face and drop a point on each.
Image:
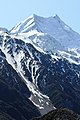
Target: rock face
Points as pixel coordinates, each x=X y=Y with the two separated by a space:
x=14 y=102
x=60 y=114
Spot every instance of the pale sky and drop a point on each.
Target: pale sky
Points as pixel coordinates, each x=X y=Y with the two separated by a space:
x=14 y=11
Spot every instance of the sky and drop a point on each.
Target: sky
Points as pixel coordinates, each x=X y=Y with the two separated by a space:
x=14 y=11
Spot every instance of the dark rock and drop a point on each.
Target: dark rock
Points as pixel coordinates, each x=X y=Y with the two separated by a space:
x=60 y=114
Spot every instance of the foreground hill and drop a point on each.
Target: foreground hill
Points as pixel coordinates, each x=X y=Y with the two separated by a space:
x=60 y=114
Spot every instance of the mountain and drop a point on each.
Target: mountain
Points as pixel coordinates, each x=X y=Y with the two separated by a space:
x=60 y=114
x=53 y=27
x=39 y=67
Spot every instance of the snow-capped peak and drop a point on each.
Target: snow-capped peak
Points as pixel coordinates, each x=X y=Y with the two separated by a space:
x=52 y=26
x=32 y=22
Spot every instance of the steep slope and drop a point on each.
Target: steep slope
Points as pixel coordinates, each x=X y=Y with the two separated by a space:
x=14 y=94
x=20 y=56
